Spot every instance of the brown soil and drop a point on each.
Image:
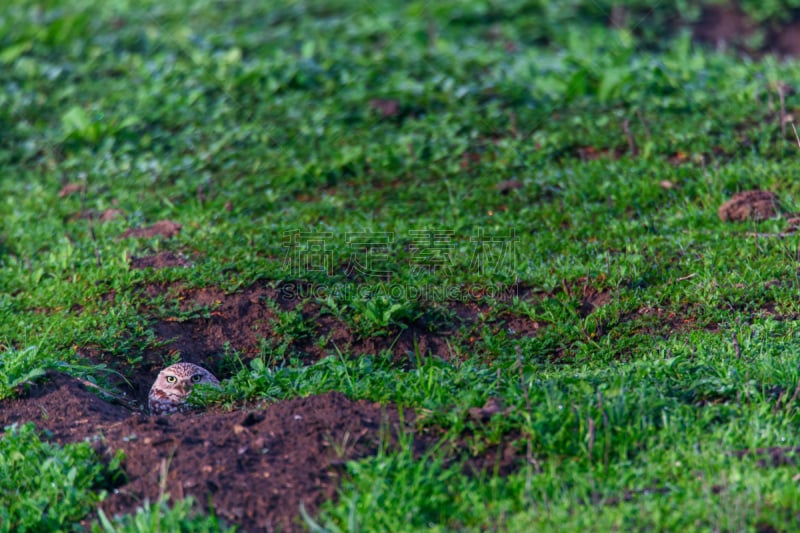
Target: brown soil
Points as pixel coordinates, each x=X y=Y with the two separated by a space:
x=661 y=323
x=108 y=215
x=750 y=205
x=70 y=189
x=506 y=186
x=385 y=107
x=592 y=153
x=162 y=228
x=775 y=456
x=786 y=41
x=726 y=26
x=723 y=26
x=241 y=319
x=246 y=319
x=62 y=405
x=159 y=260
x=256 y=467
x=592 y=299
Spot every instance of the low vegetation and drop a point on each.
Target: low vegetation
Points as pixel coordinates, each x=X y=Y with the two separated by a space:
x=500 y=216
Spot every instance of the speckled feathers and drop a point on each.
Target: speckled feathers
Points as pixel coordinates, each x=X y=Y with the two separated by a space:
x=174 y=384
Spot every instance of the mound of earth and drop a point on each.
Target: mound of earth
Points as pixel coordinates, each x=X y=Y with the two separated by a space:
x=254 y=467
x=62 y=405
x=750 y=205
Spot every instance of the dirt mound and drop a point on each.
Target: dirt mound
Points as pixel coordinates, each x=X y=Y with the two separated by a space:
x=258 y=467
x=255 y=467
x=62 y=405
x=750 y=205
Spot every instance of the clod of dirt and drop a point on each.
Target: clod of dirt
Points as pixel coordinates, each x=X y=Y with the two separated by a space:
x=385 y=107
x=775 y=456
x=102 y=216
x=750 y=205
x=110 y=214
x=70 y=189
x=485 y=413
x=159 y=260
x=470 y=160
x=163 y=228
x=506 y=186
x=678 y=158
x=792 y=224
x=591 y=153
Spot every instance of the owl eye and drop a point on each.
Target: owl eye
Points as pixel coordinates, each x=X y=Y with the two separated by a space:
x=172 y=379
x=196 y=378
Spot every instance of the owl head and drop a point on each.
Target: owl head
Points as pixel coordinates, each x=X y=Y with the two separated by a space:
x=174 y=384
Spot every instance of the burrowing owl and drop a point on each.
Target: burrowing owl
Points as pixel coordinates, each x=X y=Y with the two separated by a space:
x=173 y=385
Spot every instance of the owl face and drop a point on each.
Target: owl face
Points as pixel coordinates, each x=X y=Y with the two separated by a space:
x=174 y=384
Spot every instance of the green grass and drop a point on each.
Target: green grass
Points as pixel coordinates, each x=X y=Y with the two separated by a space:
x=160 y=517
x=48 y=488
x=261 y=142
x=19 y=368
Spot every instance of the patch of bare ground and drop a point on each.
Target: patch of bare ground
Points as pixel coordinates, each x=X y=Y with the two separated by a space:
x=725 y=25
x=246 y=318
x=750 y=205
x=100 y=216
x=656 y=321
x=241 y=318
x=760 y=308
x=64 y=406
x=592 y=153
x=160 y=260
x=163 y=228
x=592 y=298
x=404 y=343
x=254 y=467
x=773 y=456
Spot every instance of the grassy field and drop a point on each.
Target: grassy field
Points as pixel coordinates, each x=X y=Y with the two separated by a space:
x=529 y=191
